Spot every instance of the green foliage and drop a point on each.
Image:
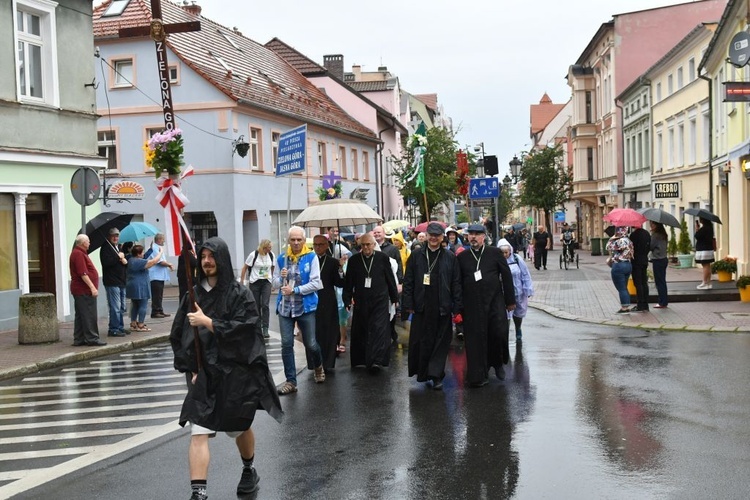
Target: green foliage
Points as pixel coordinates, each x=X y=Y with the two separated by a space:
x=463 y=216
x=683 y=245
x=672 y=243
x=743 y=281
x=727 y=264
x=546 y=182
x=505 y=203
x=439 y=171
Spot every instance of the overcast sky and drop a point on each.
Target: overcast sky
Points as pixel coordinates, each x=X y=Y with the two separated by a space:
x=487 y=60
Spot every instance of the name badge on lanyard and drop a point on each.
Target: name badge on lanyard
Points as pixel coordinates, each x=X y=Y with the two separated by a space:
x=368 y=282
x=478 y=276
x=426 y=279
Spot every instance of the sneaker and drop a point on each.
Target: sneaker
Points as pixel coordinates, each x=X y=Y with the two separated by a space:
x=622 y=311
x=320 y=375
x=248 y=481
x=659 y=306
x=197 y=495
x=708 y=287
x=701 y=286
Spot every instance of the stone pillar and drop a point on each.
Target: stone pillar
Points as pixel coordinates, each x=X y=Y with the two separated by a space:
x=37 y=319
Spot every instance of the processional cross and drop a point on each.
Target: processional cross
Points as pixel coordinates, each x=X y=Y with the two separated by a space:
x=158 y=32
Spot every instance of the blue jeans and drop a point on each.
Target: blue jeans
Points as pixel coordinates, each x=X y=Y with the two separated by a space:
x=660 y=279
x=116 y=302
x=306 y=324
x=138 y=310
x=620 y=274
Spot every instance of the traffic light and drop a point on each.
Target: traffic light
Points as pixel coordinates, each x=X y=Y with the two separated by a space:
x=490 y=165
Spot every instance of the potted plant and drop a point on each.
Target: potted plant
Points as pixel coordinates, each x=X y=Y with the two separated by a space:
x=672 y=247
x=724 y=268
x=743 y=284
x=684 y=247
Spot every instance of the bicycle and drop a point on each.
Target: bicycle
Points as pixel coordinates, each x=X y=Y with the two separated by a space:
x=566 y=259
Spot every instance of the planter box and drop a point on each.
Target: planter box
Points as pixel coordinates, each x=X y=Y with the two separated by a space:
x=724 y=276
x=686 y=261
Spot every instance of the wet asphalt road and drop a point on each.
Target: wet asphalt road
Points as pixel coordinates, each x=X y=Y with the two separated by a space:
x=585 y=412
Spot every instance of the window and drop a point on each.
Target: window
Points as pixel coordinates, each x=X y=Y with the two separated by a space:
x=590 y=163
x=124 y=73
x=255 y=148
x=107 y=140
x=659 y=151
x=670 y=85
x=680 y=145
x=691 y=70
x=366 y=165
x=639 y=152
x=275 y=136
x=354 y=164
x=9 y=276
x=628 y=156
x=658 y=92
x=36 y=58
x=342 y=161
x=693 y=140
x=670 y=148
x=680 y=83
x=589 y=111
x=321 y=158
x=174 y=74
x=116 y=8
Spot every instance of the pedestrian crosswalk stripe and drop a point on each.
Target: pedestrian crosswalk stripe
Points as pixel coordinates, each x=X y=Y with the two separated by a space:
x=87 y=434
x=62 y=380
x=111 y=397
x=114 y=388
x=100 y=409
x=89 y=421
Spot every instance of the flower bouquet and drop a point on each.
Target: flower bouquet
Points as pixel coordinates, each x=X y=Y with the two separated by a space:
x=164 y=151
x=330 y=193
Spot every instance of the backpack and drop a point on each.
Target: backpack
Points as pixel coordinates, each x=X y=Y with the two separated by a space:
x=273 y=260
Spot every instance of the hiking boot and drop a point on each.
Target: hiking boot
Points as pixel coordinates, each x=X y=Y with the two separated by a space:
x=248 y=481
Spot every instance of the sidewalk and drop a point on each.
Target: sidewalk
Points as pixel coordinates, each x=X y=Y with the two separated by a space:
x=586 y=294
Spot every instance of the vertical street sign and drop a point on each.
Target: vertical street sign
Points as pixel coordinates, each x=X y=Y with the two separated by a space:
x=292 y=149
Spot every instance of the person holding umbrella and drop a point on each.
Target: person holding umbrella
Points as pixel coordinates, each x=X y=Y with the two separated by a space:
x=621 y=249
x=704 y=250
x=659 y=261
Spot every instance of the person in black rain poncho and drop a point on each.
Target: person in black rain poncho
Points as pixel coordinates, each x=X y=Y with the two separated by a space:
x=232 y=380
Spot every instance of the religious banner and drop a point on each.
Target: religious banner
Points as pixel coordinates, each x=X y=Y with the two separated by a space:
x=174 y=201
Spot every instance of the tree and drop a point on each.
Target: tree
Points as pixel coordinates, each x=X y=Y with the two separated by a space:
x=683 y=244
x=439 y=171
x=547 y=184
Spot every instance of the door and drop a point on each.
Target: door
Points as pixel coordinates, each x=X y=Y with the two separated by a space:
x=40 y=244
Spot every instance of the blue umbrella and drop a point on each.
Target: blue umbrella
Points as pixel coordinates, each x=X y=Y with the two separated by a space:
x=136 y=231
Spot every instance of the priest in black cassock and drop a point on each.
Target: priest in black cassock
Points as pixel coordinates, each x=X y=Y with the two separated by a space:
x=327 y=314
x=488 y=295
x=372 y=285
x=432 y=292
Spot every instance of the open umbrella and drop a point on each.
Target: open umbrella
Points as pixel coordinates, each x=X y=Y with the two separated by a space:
x=659 y=215
x=624 y=217
x=395 y=225
x=337 y=212
x=703 y=214
x=136 y=231
x=421 y=228
x=519 y=225
x=97 y=229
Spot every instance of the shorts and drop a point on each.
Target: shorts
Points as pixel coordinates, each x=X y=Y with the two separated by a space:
x=704 y=256
x=343 y=316
x=197 y=430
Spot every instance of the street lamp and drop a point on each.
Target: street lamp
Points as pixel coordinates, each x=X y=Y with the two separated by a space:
x=479 y=148
x=515 y=169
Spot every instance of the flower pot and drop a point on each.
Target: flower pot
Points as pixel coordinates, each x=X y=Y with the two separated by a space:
x=724 y=276
x=631 y=286
x=744 y=294
x=686 y=260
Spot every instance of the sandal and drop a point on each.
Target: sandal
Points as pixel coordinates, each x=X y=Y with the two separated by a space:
x=133 y=326
x=320 y=375
x=287 y=388
x=143 y=328
x=341 y=348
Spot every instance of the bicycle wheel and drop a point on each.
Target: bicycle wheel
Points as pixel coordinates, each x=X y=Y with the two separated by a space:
x=565 y=261
x=561 y=261
x=577 y=267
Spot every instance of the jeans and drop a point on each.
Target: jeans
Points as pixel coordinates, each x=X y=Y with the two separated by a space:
x=116 y=303
x=306 y=324
x=620 y=274
x=660 y=279
x=138 y=310
x=262 y=293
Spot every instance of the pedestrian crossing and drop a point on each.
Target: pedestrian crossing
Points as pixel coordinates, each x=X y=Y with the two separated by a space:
x=62 y=420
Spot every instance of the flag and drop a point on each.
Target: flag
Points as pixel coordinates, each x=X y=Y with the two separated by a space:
x=419 y=140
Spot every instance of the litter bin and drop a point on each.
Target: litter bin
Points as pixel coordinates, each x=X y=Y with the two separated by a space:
x=596 y=246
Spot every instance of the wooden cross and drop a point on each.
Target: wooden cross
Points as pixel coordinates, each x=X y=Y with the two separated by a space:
x=158 y=32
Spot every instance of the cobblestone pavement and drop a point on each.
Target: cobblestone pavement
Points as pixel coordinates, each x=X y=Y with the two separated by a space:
x=585 y=294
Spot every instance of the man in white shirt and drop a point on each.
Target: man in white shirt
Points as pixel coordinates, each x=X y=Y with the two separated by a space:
x=158 y=274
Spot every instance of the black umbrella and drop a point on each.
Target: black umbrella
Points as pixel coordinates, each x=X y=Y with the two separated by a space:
x=519 y=225
x=97 y=229
x=660 y=216
x=703 y=214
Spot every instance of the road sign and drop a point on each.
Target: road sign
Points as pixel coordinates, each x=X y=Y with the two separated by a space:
x=85 y=186
x=487 y=187
x=291 y=156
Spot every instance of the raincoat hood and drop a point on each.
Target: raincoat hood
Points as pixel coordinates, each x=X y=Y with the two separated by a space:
x=219 y=248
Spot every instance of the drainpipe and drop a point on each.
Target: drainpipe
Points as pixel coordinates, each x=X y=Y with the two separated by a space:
x=710 y=141
x=379 y=172
x=622 y=147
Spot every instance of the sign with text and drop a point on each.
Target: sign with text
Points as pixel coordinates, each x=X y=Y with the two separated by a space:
x=292 y=148
x=666 y=189
x=487 y=187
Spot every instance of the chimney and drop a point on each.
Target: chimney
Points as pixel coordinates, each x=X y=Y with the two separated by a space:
x=192 y=7
x=237 y=31
x=335 y=65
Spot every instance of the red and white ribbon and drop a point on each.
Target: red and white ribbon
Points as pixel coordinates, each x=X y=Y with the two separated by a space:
x=173 y=200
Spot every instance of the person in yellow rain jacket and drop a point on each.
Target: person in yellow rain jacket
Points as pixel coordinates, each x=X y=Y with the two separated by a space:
x=399 y=242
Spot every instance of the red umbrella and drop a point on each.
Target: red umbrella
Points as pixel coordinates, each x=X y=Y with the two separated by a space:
x=625 y=217
x=421 y=228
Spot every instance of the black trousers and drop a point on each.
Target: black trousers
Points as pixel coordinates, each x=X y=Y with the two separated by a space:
x=157 y=297
x=540 y=257
x=85 y=325
x=640 y=280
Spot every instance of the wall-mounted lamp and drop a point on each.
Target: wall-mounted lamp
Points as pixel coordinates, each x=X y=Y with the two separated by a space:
x=240 y=146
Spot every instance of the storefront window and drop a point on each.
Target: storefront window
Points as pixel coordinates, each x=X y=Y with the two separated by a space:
x=8 y=261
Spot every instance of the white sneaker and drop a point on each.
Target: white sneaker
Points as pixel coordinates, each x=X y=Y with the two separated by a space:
x=702 y=286
x=708 y=286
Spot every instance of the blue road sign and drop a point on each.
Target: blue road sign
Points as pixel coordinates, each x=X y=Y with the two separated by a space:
x=487 y=187
x=291 y=155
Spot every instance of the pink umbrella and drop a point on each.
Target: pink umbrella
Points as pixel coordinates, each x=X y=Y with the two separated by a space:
x=624 y=217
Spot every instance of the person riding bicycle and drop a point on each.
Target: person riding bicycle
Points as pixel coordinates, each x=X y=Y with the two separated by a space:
x=568 y=238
